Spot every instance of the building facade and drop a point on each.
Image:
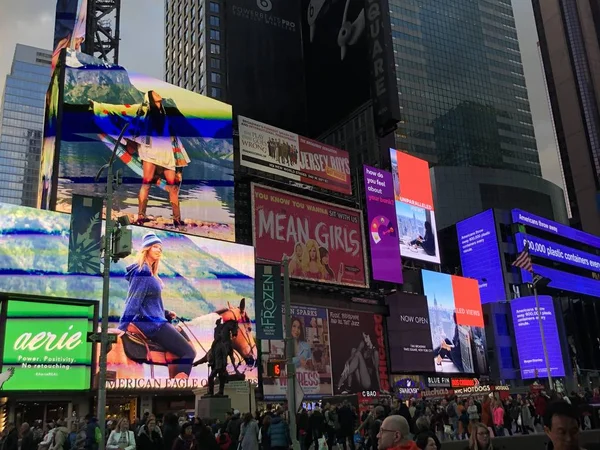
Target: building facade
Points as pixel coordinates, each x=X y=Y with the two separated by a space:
x=22 y=124
x=194 y=46
x=569 y=31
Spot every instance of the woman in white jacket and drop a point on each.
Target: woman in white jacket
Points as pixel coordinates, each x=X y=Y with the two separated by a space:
x=121 y=438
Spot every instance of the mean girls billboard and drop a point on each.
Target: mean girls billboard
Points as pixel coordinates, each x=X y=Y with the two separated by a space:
x=324 y=242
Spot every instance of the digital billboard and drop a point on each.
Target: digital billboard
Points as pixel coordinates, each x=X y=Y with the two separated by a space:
x=263 y=53
x=480 y=255
x=409 y=334
x=198 y=281
x=358 y=354
x=312 y=355
x=540 y=223
x=383 y=229
x=415 y=213
x=456 y=323
x=528 y=337
x=69 y=26
x=335 y=38
x=45 y=346
x=279 y=152
x=327 y=358
x=324 y=242
x=176 y=156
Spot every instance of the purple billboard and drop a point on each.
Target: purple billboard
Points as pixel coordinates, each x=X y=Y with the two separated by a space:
x=528 y=337
x=383 y=232
x=480 y=256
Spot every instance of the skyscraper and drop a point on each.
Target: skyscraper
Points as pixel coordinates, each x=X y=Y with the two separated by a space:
x=569 y=42
x=194 y=47
x=22 y=125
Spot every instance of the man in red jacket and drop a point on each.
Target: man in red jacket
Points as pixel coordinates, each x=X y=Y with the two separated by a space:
x=393 y=435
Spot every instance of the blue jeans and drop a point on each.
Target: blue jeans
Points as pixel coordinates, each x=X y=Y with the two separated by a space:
x=169 y=338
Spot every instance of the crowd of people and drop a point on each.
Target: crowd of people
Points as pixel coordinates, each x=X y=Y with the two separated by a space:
x=399 y=425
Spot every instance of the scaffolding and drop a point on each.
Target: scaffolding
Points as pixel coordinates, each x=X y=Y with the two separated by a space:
x=102 y=30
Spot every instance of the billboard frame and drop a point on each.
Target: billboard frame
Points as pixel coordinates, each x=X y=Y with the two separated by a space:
x=361 y=224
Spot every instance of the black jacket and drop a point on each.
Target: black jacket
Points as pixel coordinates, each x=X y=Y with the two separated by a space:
x=233 y=429
x=12 y=440
x=27 y=442
x=149 y=441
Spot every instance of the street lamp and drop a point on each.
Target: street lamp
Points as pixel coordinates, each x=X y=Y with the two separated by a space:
x=108 y=253
x=541 y=281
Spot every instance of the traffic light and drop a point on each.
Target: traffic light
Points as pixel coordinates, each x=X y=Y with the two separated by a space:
x=275 y=368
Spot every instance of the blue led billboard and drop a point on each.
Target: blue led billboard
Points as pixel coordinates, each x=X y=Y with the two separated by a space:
x=480 y=256
x=528 y=337
x=520 y=216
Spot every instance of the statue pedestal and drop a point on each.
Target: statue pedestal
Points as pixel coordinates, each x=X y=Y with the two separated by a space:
x=211 y=407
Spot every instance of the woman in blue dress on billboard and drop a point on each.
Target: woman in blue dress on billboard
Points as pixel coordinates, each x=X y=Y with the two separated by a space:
x=144 y=308
x=302 y=352
x=153 y=139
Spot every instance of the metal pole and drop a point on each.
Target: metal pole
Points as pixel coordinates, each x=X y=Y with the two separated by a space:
x=106 y=295
x=105 y=300
x=289 y=354
x=539 y=314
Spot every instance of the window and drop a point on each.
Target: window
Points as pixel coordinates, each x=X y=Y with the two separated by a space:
x=215 y=92
x=215 y=63
x=215 y=78
x=215 y=21
x=214 y=7
x=215 y=49
x=215 y=35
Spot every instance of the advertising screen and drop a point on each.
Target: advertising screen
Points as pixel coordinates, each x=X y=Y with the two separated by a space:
x=480 y=255
x=176 y=156
x=45 y=347
x=276 y=151
x=383 y=230
x=456 y=322
x=520 y=216
x=414 y=207
x=409 y=334
x=335 y=37
x=201 y=280
x=263 y=53
x=325 y=242
x=528 y=337
x=312 y=357
x=358 y=355
x=69 y=26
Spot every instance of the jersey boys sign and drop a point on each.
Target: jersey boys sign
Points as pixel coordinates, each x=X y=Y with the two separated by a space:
x=276 y=151
x=324 y=242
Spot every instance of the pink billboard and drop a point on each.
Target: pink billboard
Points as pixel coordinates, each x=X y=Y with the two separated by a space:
x=324 y=242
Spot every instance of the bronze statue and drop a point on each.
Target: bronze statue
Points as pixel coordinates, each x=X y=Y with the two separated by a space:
x=220 y=350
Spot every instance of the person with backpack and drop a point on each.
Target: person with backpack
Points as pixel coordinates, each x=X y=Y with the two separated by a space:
x=60 y=439
x=279 y=433
x=93 y=435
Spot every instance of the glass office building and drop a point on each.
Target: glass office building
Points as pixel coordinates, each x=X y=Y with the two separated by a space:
x=22 y=125
x=462 y=89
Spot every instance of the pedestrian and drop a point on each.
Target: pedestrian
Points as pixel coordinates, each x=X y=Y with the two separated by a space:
x=473 y=412
x=428 y=441
x=233 y=429
x=498 y=417
x=186 y=439
x=279 y=433
x=171 y=430
x=394 y=434
x=263 y=434
x=81 y=437
x=149 y=437
x=27 y=442
x=11 y=442
x=480 y=437
x=121 y=438
x=562 y=426
x=347 y=424
x=205 y=436
x=302 y=424
x=249 y=433
x=92 y=433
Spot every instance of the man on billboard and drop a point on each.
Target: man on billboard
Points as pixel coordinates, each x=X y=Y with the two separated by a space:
x=153 y=144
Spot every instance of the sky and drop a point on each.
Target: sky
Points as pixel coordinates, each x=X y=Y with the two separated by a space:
x=31 y=22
